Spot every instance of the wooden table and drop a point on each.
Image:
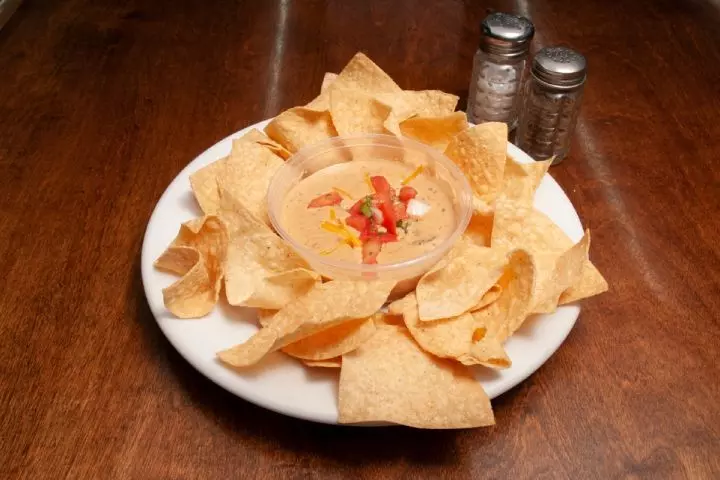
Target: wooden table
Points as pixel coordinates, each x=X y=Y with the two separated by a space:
x=102 y=104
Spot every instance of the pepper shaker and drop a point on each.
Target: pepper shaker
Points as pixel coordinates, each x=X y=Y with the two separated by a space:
x=551 y=101
x=498 y=69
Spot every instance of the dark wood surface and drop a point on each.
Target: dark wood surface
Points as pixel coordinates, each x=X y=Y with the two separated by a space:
x=102 y=103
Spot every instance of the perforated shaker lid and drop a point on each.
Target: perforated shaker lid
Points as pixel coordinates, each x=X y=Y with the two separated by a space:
x=560 y=67
x=506 y=35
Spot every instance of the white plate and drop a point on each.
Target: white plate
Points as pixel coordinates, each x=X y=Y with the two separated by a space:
x=282 y=384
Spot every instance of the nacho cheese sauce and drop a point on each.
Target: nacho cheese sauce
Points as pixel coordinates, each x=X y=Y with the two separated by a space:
x=351 y=180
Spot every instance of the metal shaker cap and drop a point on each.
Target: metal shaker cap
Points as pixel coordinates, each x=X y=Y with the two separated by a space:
x=560 y=67
x=506 y=35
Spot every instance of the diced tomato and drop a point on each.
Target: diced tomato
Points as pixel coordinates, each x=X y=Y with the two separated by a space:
x=355 y=209
x=325 y=200
x=387 y=237
x=359 y=222
x=389 y=218
x=369 y=232
x=370 y=251
x=380 y=184
x=407 y=193
x=400 y=211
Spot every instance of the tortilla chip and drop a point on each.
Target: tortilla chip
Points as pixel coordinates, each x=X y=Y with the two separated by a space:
x=262 y=271
x=389 y=318
x=362 y=74
x=265 y=316
x=325 y=306
x=389 y=378
x=517 y=225
x=208 y=235
x=195 y=294
x=459 y=281
x=328 y=78
x=411 y=103
x=198 y=252
x=204 y=186
x=480 y=154
x=479 y=230
x=178 y=260
x=204 y=182
x=423 y=103
x=247 y=175
x=300 y=126
x=489 y=297
x=591 y=283
x=329 y=363
x=521 y=180
x=434 y=131
x=256 y=136
x=334 y=341
x=354 y=112
x=452 y=337
x=566 y=271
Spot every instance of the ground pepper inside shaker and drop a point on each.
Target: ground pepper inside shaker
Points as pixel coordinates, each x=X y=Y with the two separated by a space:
x=498 y=69
x=551 y=102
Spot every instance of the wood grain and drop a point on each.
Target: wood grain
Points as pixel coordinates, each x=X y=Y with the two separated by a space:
x=102 y=103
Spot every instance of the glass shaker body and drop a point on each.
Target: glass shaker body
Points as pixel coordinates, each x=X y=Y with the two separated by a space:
x=548 y=120
x=495 y=88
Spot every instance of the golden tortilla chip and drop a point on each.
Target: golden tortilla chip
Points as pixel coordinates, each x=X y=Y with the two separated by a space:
x=389 y=318
x=198 y=252
x=459 y=281
x=329 y=363
x=354 y=112
x=262 y=271
x=565 y=272
x=328 y=78
x=177 y=260
x=208 y=235
x=452 y=337
x=411 y=103
x=489 y=297
x=434 y=131
x=334 y=341
x=247 y=175
x=204 y=186
x=300 y=126
x=423 y=103
x=265 y=316
x=479 y=230
x=204 y=182
x=196 y=293
x=521 y=180
x=514 y=303
x=518 y=225
x=480 y=153
x=591 y=283
x=389 y=378
x=362 y=74
x=325 y=306
x=256 y=136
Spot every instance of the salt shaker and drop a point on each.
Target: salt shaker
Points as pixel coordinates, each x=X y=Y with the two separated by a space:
x=551 y=101
x=498 y=69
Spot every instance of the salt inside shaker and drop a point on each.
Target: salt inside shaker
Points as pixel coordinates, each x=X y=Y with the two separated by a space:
x=498 y=69
x=551 y=102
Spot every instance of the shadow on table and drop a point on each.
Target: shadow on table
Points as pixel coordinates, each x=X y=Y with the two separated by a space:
x=342 y=444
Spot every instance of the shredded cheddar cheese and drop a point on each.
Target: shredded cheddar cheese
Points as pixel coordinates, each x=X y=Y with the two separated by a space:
x=342 y=192
x=413 y=175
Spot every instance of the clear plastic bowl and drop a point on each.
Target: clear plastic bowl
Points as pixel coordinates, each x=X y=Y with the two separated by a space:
x=344 y=149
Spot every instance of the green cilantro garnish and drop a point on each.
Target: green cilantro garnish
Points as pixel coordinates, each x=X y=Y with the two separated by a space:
x=403 y=224
x=366 y=207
